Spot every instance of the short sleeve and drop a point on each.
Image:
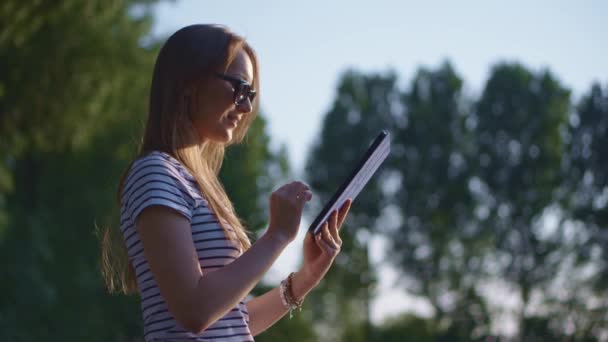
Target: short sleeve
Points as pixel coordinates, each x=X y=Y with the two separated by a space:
x=153 y=180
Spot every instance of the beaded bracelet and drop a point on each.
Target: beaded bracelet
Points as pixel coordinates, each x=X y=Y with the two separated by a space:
x=287 y=297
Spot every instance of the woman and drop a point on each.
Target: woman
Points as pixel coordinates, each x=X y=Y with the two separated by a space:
x=187 y=253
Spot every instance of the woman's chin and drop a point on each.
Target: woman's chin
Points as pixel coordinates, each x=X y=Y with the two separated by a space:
x=226 y=137
x=223 y=136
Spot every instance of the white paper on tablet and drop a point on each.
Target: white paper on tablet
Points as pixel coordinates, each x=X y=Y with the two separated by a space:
x=361 y=174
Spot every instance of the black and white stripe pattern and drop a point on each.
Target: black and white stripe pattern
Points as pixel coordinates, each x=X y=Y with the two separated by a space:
x=159 y=179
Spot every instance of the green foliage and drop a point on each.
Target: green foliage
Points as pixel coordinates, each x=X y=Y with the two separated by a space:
x=464 y=198
x=438 y=245
x=588 y=157
x=74 y=85
x=473 y=184
x=407 y=328
x=298 y=328
x=585 y=195
x=519 y=120
x=361 y=109
x=64 y=66
x=75 y=79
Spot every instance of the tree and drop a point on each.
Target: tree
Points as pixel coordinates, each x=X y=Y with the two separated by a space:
x=73 y=96
x=73 y=73
x=408 y=328
x=585 y=201
x=438 y=247
x=518 y=126
x=298 y=328
x=363 y=107
x=588 y=156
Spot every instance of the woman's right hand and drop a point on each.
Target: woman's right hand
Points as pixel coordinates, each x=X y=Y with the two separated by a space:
x=286 y=205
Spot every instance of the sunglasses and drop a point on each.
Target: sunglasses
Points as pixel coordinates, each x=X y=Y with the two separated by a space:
x=241 y=88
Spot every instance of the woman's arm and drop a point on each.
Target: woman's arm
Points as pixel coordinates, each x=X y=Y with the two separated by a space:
x=267 y=309
x=195 y=299
x=319 y=254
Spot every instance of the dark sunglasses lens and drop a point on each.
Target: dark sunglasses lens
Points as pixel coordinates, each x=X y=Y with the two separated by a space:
x=241 y=93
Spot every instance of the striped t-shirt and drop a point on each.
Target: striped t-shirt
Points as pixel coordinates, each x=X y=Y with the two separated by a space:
x=160 y=179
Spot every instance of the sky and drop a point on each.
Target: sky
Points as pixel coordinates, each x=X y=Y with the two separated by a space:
x=305 y=46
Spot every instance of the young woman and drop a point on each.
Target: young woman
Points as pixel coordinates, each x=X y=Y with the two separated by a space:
x=183 y=248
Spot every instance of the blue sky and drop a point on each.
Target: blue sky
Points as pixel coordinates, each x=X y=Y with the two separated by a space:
x=304 y=47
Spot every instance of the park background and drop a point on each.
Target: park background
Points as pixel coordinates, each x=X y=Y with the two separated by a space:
x=488 y=220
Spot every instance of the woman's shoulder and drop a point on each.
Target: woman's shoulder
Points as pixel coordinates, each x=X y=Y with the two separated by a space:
x=160 y=158
x=158 y=164
x=156 y=179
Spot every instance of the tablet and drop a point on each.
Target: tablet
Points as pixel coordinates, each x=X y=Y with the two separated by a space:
x=359 y=176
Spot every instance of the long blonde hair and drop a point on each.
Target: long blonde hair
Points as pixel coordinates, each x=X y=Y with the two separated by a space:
x=184 y=65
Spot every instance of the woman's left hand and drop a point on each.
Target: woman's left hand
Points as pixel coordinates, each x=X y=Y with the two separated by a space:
x=321 y=249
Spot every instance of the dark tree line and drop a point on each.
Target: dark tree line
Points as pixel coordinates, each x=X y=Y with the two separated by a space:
x=484 y=201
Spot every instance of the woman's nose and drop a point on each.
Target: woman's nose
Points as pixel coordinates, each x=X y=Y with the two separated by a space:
x=245 y=107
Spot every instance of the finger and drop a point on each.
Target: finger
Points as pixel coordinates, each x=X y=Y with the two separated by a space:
x=345 y=209
x=326 y=247
x=325 y=233
x=293 y=187
x=344 y=212
x=308 y=237
x=304 y=185
x=297 y=187
x=288 y=186
x=320 y=231
x=335 y=233
x=300 y=191
x=333 y=227
x=328 y=237
x=346 y=205
x=339 y=241
x=304 y=196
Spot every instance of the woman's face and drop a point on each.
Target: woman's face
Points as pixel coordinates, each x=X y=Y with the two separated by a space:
x=216 y=115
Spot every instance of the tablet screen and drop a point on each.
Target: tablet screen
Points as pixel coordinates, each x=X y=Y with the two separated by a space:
x=360 y=175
